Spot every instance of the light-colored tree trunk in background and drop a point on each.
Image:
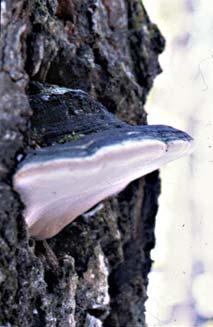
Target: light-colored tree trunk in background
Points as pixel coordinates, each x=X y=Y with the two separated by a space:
x=183 y=97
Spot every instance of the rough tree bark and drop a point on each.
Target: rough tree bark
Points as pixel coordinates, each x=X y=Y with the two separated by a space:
x=108 y=48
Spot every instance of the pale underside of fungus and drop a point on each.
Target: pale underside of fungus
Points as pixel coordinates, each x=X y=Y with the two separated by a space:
x=58 y=183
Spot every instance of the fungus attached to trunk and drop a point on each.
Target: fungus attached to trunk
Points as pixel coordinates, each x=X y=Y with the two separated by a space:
x=59 y=182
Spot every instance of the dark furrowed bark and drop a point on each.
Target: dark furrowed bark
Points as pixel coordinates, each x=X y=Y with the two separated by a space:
x=97 y=273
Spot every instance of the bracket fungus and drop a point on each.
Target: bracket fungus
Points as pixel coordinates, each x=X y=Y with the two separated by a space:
x=59 y=182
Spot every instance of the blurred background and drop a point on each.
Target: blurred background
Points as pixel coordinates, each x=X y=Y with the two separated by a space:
x=181 y=282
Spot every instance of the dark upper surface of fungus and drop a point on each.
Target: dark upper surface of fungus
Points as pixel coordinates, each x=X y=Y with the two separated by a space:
x=60 y=112
x=90 y=144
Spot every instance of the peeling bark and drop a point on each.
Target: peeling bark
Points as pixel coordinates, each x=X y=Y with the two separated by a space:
x=95 y=271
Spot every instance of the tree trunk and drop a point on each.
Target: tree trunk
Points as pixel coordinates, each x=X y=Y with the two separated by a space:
x=94 y=272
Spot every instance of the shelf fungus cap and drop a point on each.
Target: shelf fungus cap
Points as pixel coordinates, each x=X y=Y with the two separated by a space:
x=60 y=182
